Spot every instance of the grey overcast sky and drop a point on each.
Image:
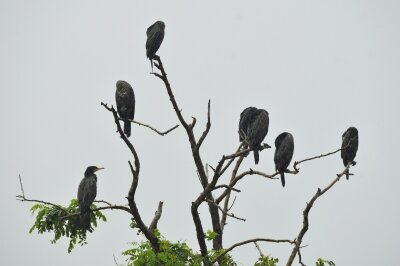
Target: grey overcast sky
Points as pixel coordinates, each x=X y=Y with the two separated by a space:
x=318 y=67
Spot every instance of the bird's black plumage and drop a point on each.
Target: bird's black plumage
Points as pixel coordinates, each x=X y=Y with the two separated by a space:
x=284 y=145
x=87 y=191
x=253 y=127
x=349 y=146
x=125 y=99
x=155 y=35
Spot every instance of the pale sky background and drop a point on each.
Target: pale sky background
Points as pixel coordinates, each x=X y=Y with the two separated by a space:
x=317 y=67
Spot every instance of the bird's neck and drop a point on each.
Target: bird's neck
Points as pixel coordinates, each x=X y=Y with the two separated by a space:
x=90 y=175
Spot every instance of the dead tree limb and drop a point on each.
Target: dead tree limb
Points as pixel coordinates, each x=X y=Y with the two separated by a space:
x=306 y=211
x=135 y=180
x=252 y=241
x=68 y=214
x=313 y=158
x=162 y=133
x=195 y=147
x=157 y=217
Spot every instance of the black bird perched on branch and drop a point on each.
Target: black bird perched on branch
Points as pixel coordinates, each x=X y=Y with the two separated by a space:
x=349 y=147
x=125 y=98
x=87 y=191
x=253 y=127
x=284 y=145
x=155 y=36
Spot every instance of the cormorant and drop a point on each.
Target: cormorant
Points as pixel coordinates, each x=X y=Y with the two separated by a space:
x=155 y=35
x=253 y=127
x=349 y=147
x=284 y=145
x=87 y=191
x=125 y=98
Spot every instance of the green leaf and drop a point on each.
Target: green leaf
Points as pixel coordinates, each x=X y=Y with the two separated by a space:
x=211 y=235
x=51 y=219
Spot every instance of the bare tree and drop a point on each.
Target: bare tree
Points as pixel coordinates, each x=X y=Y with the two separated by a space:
x=220 y=207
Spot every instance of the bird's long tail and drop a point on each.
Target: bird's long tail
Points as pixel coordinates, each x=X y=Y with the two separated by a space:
x=283 y=179
x=256 y=156
x=127 y=128
x=85 y=219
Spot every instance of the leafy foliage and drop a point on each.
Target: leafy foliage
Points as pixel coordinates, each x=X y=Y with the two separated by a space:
x=211 y=235
x=266 y=261
x=321 y=262
x=51 y=219
x=171 y=254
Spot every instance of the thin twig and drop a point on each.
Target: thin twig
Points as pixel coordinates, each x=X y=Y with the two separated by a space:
x=259 y=249
x=111 y=207
x=227 y=187
x=115 y=261
x=233 y=203
x=230 y=161
x=251 y=241
x=103 y=201
x=208 y=126
x=162 y=133
x=23 y=198
x=226 y=213
x=22 y=188
x=227 y=192
x=300 y=260
x=306 y=211
x=240 y=176
x=313 y=158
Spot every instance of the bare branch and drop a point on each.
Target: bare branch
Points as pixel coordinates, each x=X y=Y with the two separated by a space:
x=115 y=261
x=157 y=217
x=230 y=161
x=227 y=187
x=225 y=212
x=103 y=201
x=240 y=176
x=68 y=214
x=227 y=192
x=208 y=126
x=245 y=151
x=237 y=154
x=259 y=249
x=194 y=121
x=233 y=203
x=162 y=133
x=306 y=211
x=22 y=198
x=135 y=180
x=22 y=188
x=217 y=242
x=300 y=260
x=313 y=158
x=124 y=138
x=111 y=207
x=164 y=78
x=252 y=241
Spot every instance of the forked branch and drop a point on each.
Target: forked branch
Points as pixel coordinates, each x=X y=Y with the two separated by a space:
x=306 y=211
x=162 y=133
x=252 y=241
x=149 y=234
x=195 y=146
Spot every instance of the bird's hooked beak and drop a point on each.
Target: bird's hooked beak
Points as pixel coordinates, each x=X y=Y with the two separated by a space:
x=98 y=168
